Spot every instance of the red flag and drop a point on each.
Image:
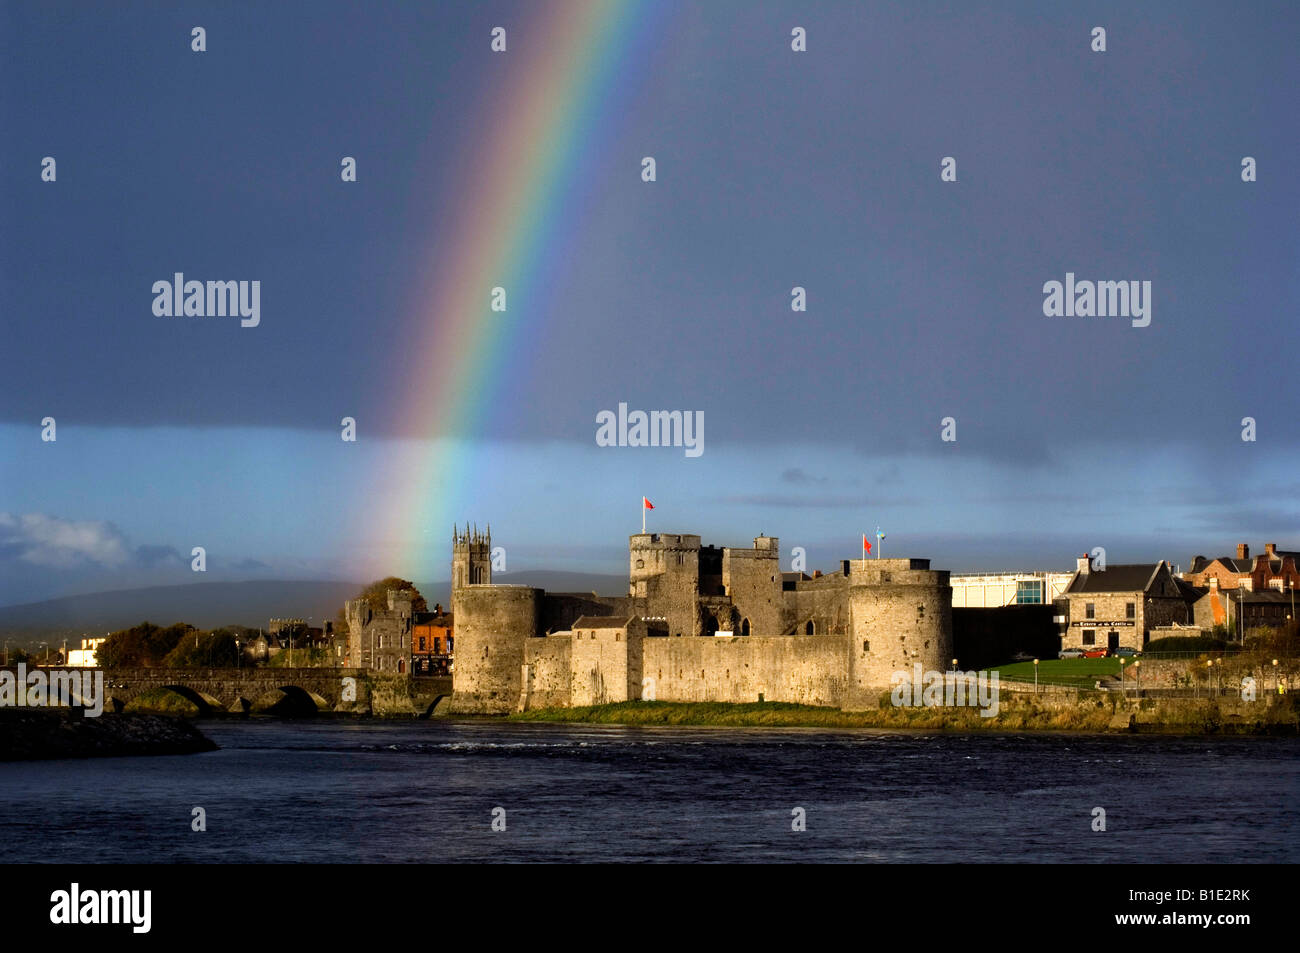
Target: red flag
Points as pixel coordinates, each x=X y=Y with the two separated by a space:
x=648 y=505
x=865 y=544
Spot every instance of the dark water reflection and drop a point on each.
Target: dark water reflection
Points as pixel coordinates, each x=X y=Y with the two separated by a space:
x=338 y=791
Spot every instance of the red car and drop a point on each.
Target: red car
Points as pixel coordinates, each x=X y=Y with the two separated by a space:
x=1095 y=653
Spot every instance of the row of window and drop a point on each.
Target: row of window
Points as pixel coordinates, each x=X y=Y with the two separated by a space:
x=1090 y=610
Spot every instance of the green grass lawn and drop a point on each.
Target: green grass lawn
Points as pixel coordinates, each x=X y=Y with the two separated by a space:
x=1077 y=672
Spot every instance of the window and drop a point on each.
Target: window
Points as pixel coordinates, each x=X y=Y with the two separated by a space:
x=1090 y=610
x=809 y=630
x=744 y=627
x=1089 y=637
x=421 y=643
x=1130 y=610
x=866 y=646
x=1029 y=592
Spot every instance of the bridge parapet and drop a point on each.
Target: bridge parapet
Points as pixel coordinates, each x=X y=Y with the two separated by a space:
x=347 y=690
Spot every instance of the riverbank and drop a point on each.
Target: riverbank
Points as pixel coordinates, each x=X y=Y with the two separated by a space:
x=32 y=735
x=1175 y=716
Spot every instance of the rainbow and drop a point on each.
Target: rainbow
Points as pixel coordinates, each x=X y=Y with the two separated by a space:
x=520 y=196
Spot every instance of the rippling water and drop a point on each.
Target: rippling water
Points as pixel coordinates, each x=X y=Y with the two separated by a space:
x=339 y=791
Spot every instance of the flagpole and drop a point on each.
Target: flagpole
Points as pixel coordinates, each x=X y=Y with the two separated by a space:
x=643 y=516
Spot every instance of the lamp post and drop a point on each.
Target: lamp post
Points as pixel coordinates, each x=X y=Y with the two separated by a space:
x=1209 y=676
x=1275 y=676
x=1035 y=676
x=954 y=665
x=1137 y=669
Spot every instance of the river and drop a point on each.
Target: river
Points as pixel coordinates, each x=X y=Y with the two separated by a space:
x=372 y=791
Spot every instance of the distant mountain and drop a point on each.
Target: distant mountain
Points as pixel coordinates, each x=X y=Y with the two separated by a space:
x=211 y=604
x=205 y=604
x=601 y=585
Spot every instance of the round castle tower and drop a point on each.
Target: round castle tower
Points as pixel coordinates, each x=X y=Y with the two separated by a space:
x=901 y=614
x=492 y=625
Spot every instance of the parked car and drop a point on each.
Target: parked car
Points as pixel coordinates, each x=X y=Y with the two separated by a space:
x=1095 y=653
x=1126 y=651
x=1070 y=653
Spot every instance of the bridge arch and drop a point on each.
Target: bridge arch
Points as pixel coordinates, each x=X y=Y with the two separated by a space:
x=433 y=705
x=289 y=700
x=205 y=702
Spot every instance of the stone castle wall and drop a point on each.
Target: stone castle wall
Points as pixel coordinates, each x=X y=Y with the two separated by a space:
x=808 y=670
x=547 y=677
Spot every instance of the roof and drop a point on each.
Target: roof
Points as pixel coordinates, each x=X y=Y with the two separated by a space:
x=431 y=618
x=1133 y=577
x=1232 y=563
x=602 y=622
x=1257 y=596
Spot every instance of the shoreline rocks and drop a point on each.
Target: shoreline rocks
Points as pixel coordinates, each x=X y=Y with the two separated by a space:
x=35 y=735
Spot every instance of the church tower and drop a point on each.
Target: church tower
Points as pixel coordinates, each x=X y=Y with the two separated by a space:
x=471 y=557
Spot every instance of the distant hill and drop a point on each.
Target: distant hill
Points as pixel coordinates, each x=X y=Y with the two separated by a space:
x=211 y=604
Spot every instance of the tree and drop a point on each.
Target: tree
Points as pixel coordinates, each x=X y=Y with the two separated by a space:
x=142 y=646
x=215 y=649
x=376 y=594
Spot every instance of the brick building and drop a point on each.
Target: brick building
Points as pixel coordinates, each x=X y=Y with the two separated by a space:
x=1272 y=569
x=432 y=642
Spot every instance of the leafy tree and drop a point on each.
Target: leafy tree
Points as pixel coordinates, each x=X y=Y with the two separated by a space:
x=142 y=646
x=214 y=649
x=376 y=594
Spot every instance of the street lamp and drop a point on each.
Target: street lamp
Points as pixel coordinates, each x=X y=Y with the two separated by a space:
x=954 y=665
x=1209 y=676
x=1275 y=675
x=1035 y=676
x=1137 y=669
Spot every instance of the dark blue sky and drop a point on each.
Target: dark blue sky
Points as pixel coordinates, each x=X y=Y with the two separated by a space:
x=776 y=169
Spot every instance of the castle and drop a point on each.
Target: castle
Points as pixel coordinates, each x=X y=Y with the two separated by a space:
x=699 y=623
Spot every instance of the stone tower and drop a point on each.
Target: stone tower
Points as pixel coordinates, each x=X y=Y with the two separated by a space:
x=664 y=573
x=901 y=614
x=471 y=557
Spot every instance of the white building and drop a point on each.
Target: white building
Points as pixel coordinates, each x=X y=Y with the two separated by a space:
x=989 y=590
x=84 y=657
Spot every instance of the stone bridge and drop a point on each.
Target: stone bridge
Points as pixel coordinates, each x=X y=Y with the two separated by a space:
x=281 y=690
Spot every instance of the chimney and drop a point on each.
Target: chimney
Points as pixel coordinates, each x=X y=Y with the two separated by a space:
x=1270 y=549
x=1085 y=564
x=1243 y=551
